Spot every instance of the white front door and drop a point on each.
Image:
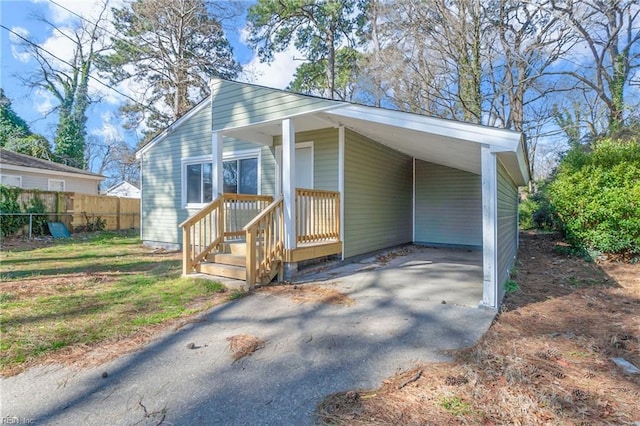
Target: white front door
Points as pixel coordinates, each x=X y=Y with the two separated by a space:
x=304 y=166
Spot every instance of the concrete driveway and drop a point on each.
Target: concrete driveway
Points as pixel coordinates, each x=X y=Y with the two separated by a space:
x=312 y=350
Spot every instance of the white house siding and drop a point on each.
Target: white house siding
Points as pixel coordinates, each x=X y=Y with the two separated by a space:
x=325 y=156
x=507 y=226
x=378 y=196
x=448 y=206
x=40 y=181
x=239 y=104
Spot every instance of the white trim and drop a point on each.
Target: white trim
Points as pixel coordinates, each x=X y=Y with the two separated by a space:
x=50 y=181
x=489 y=228
x=228 y=156
x=142 y=200
x=49 y=172
x=217 y=158
x=289 y=182
x=413 y=201
x=12 y=176
x=307 y=144
x=507 y=139
x=174 y=126
x=341 y=142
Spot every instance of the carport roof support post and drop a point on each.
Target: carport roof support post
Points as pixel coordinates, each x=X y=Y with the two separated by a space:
x=489 y=228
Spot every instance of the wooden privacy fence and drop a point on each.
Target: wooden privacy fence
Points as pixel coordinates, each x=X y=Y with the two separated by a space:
x=77 y=210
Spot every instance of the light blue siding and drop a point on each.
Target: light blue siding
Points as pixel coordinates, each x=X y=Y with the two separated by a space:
x=507 y=226
x=448 y=205
x=162 y=205
x=325 y=156
x=239 y=104
x=377 y=196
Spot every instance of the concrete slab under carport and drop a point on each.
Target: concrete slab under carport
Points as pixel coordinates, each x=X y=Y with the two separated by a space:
x=416 y=272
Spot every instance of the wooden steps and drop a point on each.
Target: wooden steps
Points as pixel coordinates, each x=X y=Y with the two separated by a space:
x=222 y=270
x=231 y=263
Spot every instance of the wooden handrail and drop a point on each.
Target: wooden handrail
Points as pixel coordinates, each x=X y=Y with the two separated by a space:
x=265 y=242
x=220 y=220
x=201 y=233
x=202 y=213
x=258 y=218
x=317 y=215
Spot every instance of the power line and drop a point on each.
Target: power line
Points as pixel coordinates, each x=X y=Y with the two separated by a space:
x=114 y=36
x=76 y=68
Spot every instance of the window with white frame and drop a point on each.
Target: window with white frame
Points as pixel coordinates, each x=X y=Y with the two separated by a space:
x=198 y=182
x=241 y=174
x=11 y=180
x=56 y=185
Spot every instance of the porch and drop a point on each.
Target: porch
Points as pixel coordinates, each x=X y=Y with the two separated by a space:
x=243 y=236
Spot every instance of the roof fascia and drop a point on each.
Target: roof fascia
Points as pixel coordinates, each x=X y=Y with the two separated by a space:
x=498 y=139
x=49 y=172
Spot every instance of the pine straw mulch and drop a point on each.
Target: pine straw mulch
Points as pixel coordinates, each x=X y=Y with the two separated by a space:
x=243 y=345
x=310 y=293
x=545 y=360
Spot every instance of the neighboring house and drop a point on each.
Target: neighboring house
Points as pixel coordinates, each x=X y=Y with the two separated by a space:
x=123 y=189
x=374 y=178
x=29 y=172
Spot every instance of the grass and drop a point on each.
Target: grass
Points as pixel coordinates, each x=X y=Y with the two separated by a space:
x=511 y=286
x=84 y=292
x=456 y=406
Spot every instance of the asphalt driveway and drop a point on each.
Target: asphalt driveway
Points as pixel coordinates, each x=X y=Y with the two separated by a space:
x=312 y=350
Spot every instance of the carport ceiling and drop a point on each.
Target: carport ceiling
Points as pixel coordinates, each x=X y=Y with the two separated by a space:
x=434 y=148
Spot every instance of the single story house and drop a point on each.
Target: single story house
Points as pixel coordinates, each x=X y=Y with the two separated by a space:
x=254 y=180
x=123 y=189
x=24 y=171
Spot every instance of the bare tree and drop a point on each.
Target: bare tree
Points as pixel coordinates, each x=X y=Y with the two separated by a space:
x=67 y=79
x=610 y=32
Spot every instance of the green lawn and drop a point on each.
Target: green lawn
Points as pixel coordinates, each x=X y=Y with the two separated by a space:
x=85 y=291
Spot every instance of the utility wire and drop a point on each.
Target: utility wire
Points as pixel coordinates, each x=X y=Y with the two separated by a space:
x=76 y=68
x=113 y=35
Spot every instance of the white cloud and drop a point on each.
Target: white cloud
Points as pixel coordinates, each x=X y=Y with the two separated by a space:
x=44 y=102
x=66 y=11
x=16 y=41
x=277 y=74
x=111 y=128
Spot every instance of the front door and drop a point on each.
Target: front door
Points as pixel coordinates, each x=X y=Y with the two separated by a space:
x=304 y=165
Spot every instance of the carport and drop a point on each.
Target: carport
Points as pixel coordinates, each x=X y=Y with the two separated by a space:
x=413 y=272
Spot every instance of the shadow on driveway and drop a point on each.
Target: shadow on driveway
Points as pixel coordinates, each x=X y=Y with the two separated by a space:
x=312 y=350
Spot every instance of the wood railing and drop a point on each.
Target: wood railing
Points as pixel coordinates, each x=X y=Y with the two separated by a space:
x=239 y=210
x=317 y=215
x=265 y=243
x=221 y=220
x=201 y=233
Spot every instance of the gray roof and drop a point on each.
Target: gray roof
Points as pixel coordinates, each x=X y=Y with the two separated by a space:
x=15 y=159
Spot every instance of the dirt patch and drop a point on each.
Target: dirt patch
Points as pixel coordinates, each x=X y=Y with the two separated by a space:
x=546 y=359
x=310 y=293
x=389 y=255
x=244 y=345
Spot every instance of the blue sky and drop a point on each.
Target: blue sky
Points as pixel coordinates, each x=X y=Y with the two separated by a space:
x=19 y=15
